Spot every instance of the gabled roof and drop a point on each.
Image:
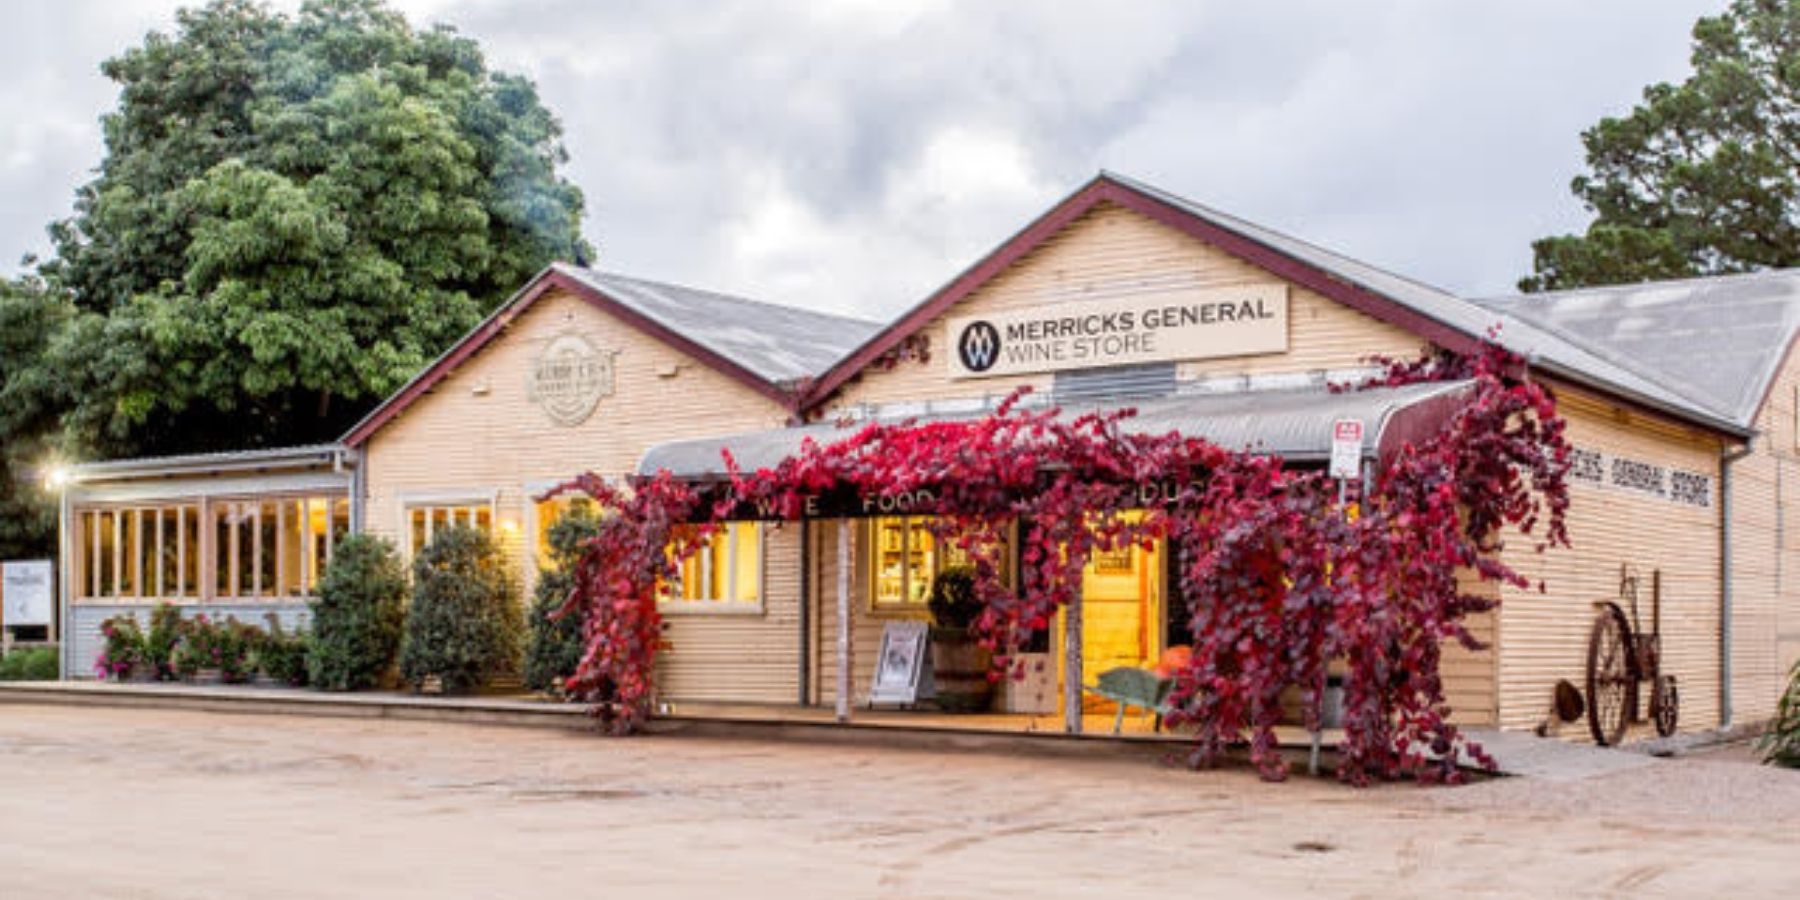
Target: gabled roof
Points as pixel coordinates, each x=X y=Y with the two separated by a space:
x=1721 y=340
x=1435 y=315
x=768 y=348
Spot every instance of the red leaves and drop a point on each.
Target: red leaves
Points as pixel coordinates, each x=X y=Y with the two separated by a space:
x=1286 y=587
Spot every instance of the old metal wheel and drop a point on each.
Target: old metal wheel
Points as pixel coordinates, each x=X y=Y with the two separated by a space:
x=1665 y=705
x=1609 y=680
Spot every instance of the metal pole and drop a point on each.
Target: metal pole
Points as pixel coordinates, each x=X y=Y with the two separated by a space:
x=843 y=620
x=1072 y=675
x=806 y=595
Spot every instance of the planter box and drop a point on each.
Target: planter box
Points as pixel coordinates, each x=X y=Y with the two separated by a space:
x=1036 y=694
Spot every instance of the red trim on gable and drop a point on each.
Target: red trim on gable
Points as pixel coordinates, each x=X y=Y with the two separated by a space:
x=1104 y=189
x=543 y=284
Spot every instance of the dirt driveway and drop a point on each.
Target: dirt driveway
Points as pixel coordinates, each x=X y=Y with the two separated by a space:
x=143 y=803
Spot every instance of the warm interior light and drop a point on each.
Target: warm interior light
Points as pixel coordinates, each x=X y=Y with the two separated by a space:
x=510 y=526
x=57 y=478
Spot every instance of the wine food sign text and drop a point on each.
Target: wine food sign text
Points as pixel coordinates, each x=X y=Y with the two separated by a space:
x=1160 y=326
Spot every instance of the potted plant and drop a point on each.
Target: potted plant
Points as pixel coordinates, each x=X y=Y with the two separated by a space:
x=197 y=654
x=160 y=641
x=122 y=656
x=960 y=665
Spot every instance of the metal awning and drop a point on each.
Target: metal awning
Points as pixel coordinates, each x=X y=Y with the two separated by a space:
x=1293 y=424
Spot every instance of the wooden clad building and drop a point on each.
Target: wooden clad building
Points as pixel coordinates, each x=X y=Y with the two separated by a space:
x=1119 y=294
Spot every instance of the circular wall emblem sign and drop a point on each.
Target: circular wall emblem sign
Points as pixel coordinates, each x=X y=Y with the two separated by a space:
x=569 y=379
x=978 y=346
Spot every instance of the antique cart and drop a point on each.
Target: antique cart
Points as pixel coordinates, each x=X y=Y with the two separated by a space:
x=1621 y=656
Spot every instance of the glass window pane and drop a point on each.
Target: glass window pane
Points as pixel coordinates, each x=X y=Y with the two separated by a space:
x=223 y=528
x=318 y=526
x=189 y=550
x=747 y=571
x=108 y=537
x=292 y=535
x=482 y=517
x=264 y=559
x=128 y=550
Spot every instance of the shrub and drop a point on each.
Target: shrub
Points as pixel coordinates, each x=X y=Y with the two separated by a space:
x=160 y=641
x=124 y=648
x=465 y=624
x=1780 y=744
x=953 y=602
x=33 y=664
x=358 y=615
x=555 y=647
x=280 y=655
x=224 y=646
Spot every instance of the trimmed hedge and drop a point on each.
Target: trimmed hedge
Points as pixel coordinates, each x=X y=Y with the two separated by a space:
x=358 y=616
x=465 y=626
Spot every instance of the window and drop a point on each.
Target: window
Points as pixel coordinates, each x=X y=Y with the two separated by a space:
x=728 y=570
x=905 y=557
x=548 y=514
x=267 y=548
x=424 y=519
x=905 y=561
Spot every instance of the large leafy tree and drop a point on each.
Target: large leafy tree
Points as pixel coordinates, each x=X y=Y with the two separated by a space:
x=1702 y=177
x=293 y=216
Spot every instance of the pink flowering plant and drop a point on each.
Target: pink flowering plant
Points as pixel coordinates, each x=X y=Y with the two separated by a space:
x=123 y=650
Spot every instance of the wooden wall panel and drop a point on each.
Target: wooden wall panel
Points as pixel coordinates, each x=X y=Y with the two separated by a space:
x=1765 y=556
x=1543 y=636
x=478 y=434
x=1112 y=251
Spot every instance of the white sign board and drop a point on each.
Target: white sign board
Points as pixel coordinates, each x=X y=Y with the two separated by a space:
x=1155 y=326
x=903 y=668
x=1346 y=448
x=26 y=589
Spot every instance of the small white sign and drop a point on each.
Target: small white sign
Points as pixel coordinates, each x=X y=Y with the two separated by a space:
x=1346 y=448
x=903 y=668
x=25 y=587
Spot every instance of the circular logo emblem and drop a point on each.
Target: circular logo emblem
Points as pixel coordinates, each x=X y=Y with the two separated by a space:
x=569 y=379
x=979 y=346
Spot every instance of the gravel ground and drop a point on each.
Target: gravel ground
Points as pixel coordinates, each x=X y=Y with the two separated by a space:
x=147 y=803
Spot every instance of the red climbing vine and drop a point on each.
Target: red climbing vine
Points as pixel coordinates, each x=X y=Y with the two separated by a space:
x=1288 y=585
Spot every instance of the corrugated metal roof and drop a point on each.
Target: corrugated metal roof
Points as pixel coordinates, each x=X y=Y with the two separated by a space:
x=1546 y=346
x=778 y=343
x=304 y=456
x=1294 y=424
x=1721 y=339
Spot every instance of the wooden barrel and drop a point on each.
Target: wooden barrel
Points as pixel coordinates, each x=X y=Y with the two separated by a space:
x=960 y=666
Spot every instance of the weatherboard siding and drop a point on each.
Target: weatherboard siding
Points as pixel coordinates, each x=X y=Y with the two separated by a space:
x=477 y=434
x=1543 y=636
x=1765 y=557
x=1111 y=252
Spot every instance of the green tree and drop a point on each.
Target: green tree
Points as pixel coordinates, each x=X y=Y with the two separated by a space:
x=32 y=317
x=294 y=215
x=1702 y=177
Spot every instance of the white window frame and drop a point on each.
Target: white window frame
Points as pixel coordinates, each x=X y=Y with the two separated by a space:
x=670 y=602
x=440 y=499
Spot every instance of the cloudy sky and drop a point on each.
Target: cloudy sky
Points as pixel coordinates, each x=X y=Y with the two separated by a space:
x=855 y=154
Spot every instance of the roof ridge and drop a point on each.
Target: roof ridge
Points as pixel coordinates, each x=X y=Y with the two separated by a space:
x=1146 y=187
